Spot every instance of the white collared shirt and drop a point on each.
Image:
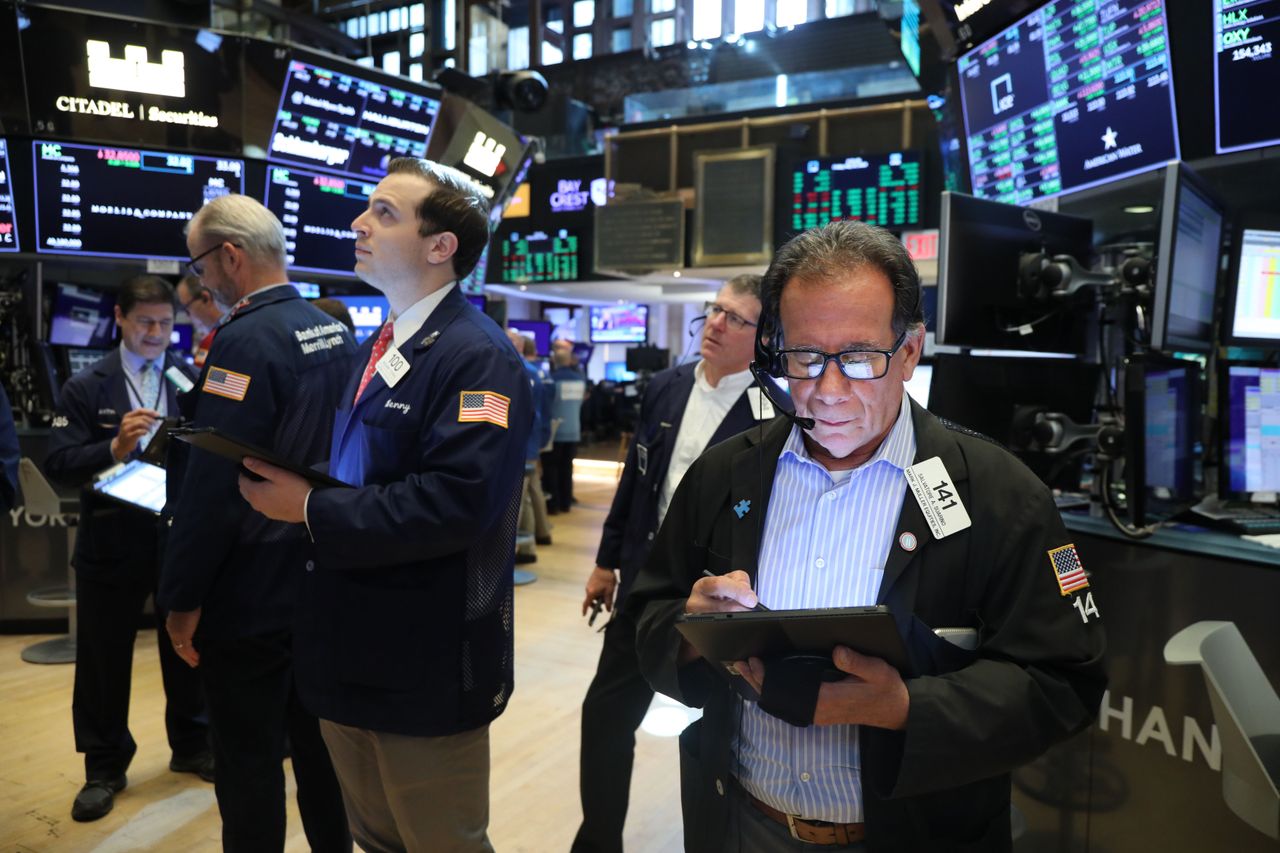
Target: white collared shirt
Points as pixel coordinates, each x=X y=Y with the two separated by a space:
x=703 y=414
x=406 y=325
x=133 y=365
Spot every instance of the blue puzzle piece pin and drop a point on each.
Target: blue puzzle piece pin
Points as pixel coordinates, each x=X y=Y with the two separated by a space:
x=742 y=508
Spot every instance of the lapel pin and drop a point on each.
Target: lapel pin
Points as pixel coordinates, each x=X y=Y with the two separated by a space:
x=742 y=507
x=908 y=541
x=429 y=339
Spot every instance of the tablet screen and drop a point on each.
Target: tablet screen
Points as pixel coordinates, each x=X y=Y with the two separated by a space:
x=138 y=483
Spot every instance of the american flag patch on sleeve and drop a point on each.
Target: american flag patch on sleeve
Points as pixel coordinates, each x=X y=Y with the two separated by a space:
x=1068 y=570
x=225 y=383
x=483 y=407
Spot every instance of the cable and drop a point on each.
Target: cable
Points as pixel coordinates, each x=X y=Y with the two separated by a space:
x=1124 y=527
x=1031 y=325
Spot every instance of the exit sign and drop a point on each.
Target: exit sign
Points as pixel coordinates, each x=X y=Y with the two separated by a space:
x=921 y=245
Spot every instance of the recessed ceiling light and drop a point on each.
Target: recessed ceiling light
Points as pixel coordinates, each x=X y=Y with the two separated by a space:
x=1140 y=208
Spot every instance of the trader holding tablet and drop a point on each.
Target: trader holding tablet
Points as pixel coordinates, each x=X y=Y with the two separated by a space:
x=109 y=413
x=864 y=498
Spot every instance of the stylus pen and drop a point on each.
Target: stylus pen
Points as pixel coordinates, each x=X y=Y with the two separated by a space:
x=710 y=574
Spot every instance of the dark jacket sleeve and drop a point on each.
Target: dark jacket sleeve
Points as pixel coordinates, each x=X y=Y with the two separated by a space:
x=9 y=453
x=1039 y=674
x=458 y=476
x=75 y=453
x=609 y=554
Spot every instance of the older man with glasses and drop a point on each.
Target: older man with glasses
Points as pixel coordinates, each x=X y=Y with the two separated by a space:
x=819 y=511
x=684 y=411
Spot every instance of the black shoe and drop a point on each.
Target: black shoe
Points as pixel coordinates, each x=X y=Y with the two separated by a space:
x=522 y=558
x=96 y=798
x=543 y=540
x=200 y=764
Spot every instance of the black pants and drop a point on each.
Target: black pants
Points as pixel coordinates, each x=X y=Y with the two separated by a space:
x=107 y=617
x=557 y=474
x=253 y=705
x=616 y=703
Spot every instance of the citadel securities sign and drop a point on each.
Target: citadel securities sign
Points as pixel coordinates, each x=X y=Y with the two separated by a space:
x=135 y=73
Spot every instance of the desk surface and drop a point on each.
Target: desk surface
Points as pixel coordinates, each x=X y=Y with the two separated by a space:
x=1185 y=538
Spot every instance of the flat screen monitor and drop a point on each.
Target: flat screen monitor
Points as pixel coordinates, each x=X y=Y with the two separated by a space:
x=1253 y=295
x=616 y=371
x=1250 y=426
x=1244 y=66
x=368 y=313
x=918 y=385
x=539 y=330
x=307 y=290
x=882 y=189
x=123 y=202
x=82 y=317
x=1071 y=96
x=8 y=220
x=619 y=324
x=537 y=257
x=980 y=303
x=333 y=119
x=1187 y=256
x=182 y=337
x=1162 y=414
x=81 y=358
x=478 y=301
x=317 y=211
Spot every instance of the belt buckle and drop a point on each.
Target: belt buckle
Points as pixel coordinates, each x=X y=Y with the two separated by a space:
x=791 y=825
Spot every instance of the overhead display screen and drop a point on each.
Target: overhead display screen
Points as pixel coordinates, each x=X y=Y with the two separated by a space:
x=121 y=202
x=333 y=120
x=317 y=211
x=882 y=189
x=106 y=79
x=8 y=222
x=1073 y=95
x=538 y=257
x=1243 y=66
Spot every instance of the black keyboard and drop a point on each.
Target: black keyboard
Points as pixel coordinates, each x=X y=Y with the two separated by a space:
x=1245 y=521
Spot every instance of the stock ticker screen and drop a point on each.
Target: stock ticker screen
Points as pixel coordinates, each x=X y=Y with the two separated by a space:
x=317 y=211
x=539 y=257
x=335 y=121
x=8 y=222
x=1243 y=66
x=883 y=189
x=123 y=202
x=1073 y=95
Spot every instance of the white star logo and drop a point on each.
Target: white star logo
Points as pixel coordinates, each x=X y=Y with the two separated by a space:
x=1108 y=139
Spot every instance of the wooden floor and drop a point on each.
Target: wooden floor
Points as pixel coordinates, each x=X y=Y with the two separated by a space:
x=534 y=799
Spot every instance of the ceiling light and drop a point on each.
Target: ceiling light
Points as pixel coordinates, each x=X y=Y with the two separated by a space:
x=1140 y=208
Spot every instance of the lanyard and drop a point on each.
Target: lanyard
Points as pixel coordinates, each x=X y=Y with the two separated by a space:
x=155 y=406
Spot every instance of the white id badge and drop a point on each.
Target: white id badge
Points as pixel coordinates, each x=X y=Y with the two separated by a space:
x=392 y=367
x=760 y=405
x=938 y=497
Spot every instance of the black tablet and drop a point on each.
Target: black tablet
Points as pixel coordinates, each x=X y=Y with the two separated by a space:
x=215 y=441
x=728 y=637
x=136 y=483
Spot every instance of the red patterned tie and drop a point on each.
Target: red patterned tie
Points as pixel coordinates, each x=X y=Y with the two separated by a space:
x=379 y=350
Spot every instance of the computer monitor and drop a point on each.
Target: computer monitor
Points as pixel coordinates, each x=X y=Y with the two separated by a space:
x=1249 y=425
x=1068 y=98
x=882 y=189
x=1186 y=270
x=182 y=337
x=980 y=301
x=1252 y=310
x=647 y=358
x=918 y=385
x=368 y=313
x=8 y=220
x=82 y=317
x=539 y=330
x=627 y=323
x=1243 y=67
x=616 y=371
x=1162 y=403
x=316 y=211
x=478 y=301
x=80 y=358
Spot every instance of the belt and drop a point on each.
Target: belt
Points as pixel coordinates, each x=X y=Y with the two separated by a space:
x=810 y=831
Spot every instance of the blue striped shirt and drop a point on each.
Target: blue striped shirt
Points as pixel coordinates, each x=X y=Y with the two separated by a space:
x=825 y=543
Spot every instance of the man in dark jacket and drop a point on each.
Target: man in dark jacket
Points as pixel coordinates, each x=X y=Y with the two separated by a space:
x=864 y=498
x=684 y=411
x=272 y=379
x=109 y=413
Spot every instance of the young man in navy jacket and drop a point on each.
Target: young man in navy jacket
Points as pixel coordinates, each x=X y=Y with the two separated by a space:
x=404 y=639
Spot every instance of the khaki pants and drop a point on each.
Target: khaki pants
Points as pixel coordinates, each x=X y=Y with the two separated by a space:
x=406 y=793
x=533 y=507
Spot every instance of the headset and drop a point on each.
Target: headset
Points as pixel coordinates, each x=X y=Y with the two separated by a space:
x=767 y=365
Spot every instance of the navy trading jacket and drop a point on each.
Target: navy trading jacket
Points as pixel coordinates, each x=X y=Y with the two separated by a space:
x=272 y=379
x=113 y=540
x=632 y=523
x=405 y=621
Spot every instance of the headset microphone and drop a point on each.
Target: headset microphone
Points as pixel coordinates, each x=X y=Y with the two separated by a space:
x=779 y=405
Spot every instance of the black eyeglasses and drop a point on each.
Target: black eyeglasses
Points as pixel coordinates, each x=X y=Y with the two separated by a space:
x=196 y=268
x=855 y=364
x=735 y=321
